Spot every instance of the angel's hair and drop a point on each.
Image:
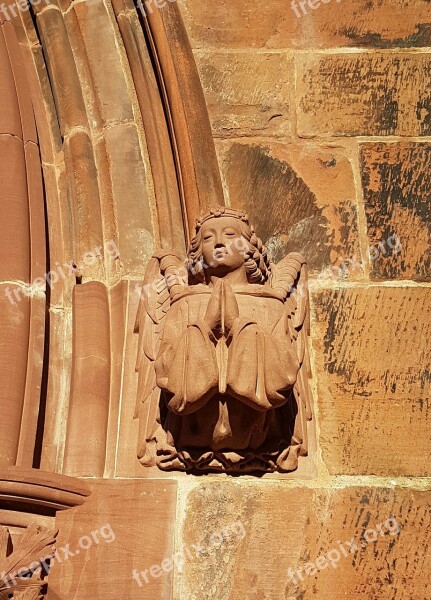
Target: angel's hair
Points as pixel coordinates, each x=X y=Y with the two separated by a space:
x=255 y=255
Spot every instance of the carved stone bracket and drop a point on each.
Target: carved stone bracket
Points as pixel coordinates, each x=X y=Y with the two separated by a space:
x=29 y=501
x=223 y=359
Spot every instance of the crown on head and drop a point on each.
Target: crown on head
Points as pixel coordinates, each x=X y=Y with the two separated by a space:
x=222 y=211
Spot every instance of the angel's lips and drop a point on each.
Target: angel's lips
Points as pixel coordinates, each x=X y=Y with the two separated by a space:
x=220 y=254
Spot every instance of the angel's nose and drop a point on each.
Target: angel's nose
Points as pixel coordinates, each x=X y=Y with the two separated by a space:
x=219 y=241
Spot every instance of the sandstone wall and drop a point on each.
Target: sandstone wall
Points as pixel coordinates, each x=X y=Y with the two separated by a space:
x=322 y=129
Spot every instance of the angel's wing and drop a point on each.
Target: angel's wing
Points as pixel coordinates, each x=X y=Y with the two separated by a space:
x=289 y=279
x=165 y=277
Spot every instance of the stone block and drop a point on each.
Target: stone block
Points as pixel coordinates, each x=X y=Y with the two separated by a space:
x=268 y=541
x=397 y=187
x=356 y=94
x=374 y=386
x=315 y=24
x=133 y=522
x=62 y=70
x=247 y=94
x=105 y=89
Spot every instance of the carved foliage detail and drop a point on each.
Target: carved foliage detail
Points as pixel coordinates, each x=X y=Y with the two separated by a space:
x=24 y=563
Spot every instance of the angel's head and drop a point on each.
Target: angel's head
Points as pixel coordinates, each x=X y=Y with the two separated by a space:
x=225 y=241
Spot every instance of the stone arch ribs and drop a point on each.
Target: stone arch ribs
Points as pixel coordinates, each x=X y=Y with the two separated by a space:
x=74 y=215
x=185 y=115
x=161 y=158
x=181 y=90
x=127 y=155
x=22 y=252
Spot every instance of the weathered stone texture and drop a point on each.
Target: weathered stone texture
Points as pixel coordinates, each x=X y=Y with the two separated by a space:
x=286 y=529
x=127 y=464
x=247 y=95
x=90 y=386
x=134 y=525
x=35 y=191
x=161 y=161
x=43 y=103
x=65 y=85
x=90 y=52
x=251 y=24
x=15 y=221
x=58 y=389
x=364 y=94
x=15 y=313
x=132 y=203
x=373 y=359
x=300 y=198
x=84 y=193
x=397 y=192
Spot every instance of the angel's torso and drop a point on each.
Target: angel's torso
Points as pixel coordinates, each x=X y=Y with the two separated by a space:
x=220 y=422
x=258 y=303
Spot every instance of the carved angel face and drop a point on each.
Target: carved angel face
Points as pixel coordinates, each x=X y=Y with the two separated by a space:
x=223 y=245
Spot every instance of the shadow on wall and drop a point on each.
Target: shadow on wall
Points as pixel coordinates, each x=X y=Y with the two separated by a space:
x=281 y=206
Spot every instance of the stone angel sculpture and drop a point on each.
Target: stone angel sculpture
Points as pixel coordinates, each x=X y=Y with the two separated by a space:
x=223 y=356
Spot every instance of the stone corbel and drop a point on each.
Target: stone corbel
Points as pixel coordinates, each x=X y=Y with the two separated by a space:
x=29 y=501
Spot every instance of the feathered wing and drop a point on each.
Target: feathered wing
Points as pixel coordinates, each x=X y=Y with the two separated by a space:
x=289 y=279
x=163 y=280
